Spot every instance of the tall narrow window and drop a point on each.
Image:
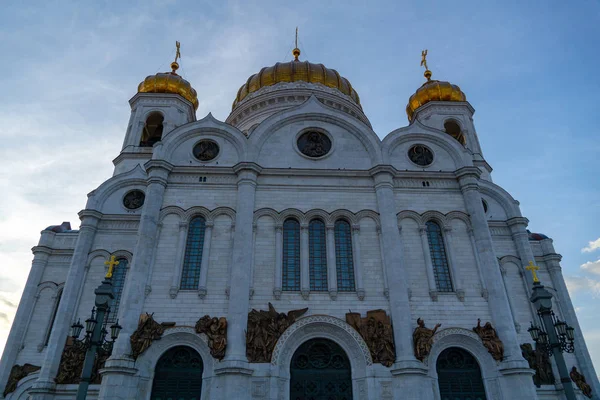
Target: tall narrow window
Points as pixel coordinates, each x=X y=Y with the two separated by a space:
x=153 y=129
x=291 y=255
x=190 y=276
x=317 y=260
x=343 y=256
x=439 y=259
x=54 y=311
x=118 y=283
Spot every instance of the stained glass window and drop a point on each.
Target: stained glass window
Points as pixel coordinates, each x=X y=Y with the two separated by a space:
x=118 y=282
x=343 y=256
x=291 y=255
x=459 y=376
x=439 y=259
x=190 y=276
x=317 y=260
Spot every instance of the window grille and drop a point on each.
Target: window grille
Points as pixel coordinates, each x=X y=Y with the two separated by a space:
x=291 y=255
x=118 y=282
x=190 y=276
x=343 y=256
x=439 y=258
x=317 y=255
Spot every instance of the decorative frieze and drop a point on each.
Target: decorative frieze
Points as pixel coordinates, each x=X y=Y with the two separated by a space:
x=148 y=330
x=376 y=331
x=215 y=330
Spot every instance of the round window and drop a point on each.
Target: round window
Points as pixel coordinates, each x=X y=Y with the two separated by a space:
x=134 y=199
x=206 y=150
x=314 y=144
x=420 y=155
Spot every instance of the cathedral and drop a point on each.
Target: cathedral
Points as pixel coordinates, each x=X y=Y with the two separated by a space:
x=290 y=252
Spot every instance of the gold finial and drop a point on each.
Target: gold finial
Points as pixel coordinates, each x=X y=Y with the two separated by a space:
x=533 y=268
x=174 y=64
x=111 y=266
x=427 y=73
x=296 y=51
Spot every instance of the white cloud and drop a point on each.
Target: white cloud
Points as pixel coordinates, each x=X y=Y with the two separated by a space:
x=582 y=284
x=592 y=266
x=592 y=246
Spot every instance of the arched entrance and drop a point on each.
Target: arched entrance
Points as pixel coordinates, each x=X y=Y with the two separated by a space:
x=320 y=370
x=459 y=376
x=178 y=375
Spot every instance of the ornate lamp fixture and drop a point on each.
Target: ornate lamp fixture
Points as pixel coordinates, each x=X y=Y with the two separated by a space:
x=564 y=334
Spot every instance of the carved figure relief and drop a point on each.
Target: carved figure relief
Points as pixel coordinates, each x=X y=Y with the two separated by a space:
x=148 y=330
x=539 y=361
x=264 y=329
x=490 y=339
x=423 y=339
x=376 y=330
x=579 y=380
x=18 y=372
x=420 y=155
x=71 y=363
x=206 y=150
x=134 y=199
x=216 y=331
x=314 y=144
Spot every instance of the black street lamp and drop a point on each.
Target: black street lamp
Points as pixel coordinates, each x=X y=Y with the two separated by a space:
x=94 y=340
x=553 y=336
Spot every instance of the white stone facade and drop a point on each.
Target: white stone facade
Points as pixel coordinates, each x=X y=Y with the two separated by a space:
x=258 y=180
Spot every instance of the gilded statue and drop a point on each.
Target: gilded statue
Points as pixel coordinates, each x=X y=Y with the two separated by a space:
x=18 y=372
x=490 y=339
x=376 y=330
x=579 y=380
x=423 y=339
x=539 y=361
x=264 y=329
x=216 y=331
x=148 y=330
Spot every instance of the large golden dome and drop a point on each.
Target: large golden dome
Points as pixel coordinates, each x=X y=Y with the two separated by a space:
x=294 y=71
x=433 y=91
x=169 y=82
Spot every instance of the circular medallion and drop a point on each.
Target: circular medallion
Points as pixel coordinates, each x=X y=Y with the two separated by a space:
x=206 y=150
x=420 y=155
x=134 y=199
x=314 y=144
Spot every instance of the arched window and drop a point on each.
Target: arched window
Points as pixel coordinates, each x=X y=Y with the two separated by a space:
x=178 y=375
x=54 y=311
x=291 y=255
x=453 y=129
x=459 y=376
x=317 y=260
x=190 y=276
x=344 y=262
x=118 y=282
x=439 y=259
x=153 y=129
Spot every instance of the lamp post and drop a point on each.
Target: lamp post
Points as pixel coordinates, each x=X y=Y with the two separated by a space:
x=94 y=340
x=553 y=336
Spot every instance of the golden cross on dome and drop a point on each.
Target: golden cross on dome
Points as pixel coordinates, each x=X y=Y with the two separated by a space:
x=177 y=53
x=111 y=266
x=533 y=268
x=424 y=59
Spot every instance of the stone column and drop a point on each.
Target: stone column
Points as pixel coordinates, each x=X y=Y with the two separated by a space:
x=205 y=260
x=118 y=382
x=278 y=261
x=177 y=268
x=252 y=267
x=514 y=368
x=457 y=279
x=304 y=262
x=484 y=291
x=386 y=286
x=411 y=373
x=586 y=367
x=41 y=253
x=358 y=273
x=331 y=265
x=43 y=388
x=433 y=292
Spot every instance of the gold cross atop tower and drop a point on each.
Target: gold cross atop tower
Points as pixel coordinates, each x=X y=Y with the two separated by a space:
x=533 y=268
x=174 y=64
x=424 y=64
x=111 y=266
x=296 y=51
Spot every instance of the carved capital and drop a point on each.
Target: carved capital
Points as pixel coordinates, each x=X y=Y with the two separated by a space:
x=305 y=293
x=277 y=293
x=460 y=294
x=173 y=291
x=355 y=228
x=434 y=295
x=360 y=294
x=333 y=294
x=278 y=228
x=202 y=292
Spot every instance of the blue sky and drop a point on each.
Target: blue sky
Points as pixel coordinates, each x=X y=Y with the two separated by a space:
x=529 y=70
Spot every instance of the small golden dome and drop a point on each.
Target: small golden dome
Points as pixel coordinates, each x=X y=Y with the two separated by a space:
x=433 y=91
x=294 y=71
x=169 y=82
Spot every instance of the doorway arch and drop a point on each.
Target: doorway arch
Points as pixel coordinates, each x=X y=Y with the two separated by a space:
x=320 y=369
x=459 y=375
x=178 y=375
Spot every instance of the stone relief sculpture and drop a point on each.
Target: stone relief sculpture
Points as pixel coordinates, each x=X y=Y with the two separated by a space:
x=490 y=339
x=18 y=372
x=376 y=330
x=148 y=330
x=264 y=329
x=71 y=363
x=539 y=361
x=216 y=331
x=579 y=380
x=423 y=339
